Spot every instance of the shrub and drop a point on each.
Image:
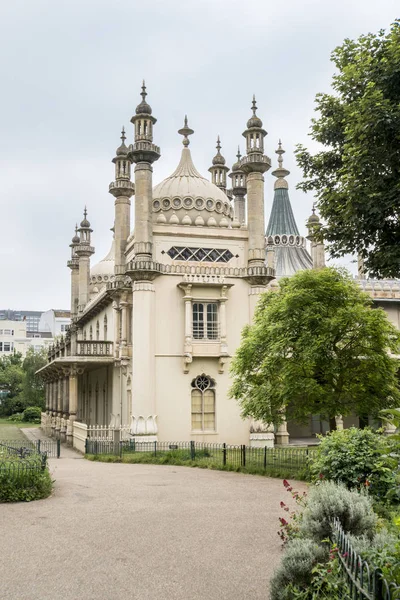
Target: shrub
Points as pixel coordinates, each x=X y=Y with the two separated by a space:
x=23 y=480
x=357 y=458
x=329 y=500
x=296 y=567
x=33 y=414
x=16 y=418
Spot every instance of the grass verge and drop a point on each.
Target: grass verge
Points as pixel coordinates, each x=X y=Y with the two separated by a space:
x=180 y=458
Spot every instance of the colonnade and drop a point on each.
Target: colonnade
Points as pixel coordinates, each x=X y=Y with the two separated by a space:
x=61 y=395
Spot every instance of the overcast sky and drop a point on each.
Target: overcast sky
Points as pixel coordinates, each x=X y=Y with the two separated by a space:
x=70 y=78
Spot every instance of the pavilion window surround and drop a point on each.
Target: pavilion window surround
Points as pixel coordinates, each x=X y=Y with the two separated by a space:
x=205 y=324
x=203 y=404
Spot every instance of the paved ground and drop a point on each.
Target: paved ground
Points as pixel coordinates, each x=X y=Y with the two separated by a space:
x=128 y=532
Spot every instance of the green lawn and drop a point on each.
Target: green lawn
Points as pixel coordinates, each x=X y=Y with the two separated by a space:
x=12 y=431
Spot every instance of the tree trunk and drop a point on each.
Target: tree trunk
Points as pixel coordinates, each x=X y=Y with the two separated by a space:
x=332 y=423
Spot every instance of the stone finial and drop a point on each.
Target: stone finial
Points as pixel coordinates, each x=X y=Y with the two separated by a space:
x=143 y=107
x=185 y=131
x=280 y=172
x=123 y=136
x=218 y=158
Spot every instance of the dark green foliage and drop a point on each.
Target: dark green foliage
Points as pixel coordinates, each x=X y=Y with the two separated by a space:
x=356 y=177
x=358 y=458
x=18 y=379
x=23 y=479
x=316 y=347
x=33 y=414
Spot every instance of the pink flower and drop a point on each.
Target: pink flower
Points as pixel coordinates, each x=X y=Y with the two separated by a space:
x=283 y=505
x=286 y=483
x=283 y=521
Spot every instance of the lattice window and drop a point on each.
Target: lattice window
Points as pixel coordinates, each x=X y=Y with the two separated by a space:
x=203 y=403
x=205 y=320
x=200 y=254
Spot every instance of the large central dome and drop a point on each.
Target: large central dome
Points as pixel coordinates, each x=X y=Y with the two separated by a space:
x=187 y=198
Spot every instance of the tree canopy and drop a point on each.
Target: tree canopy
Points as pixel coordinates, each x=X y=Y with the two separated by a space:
x=18 y=381
x=316 y=347
x=356 y=177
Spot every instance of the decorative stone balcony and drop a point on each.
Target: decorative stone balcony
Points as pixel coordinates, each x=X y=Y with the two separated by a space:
x=94 y=348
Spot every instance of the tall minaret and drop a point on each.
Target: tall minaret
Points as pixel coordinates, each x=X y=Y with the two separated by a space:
x=84 y=251
x=73 y=264
x=122 y=189
x=317 y=245
x=254 y=165
x=219 y=169
x=143 y=153
x=239 y=189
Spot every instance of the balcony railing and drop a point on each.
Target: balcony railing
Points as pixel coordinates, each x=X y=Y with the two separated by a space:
x=94 y=348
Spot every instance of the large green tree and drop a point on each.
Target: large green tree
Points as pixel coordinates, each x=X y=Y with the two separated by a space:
x=316 y=347
x=356 y=176
x=19 y=385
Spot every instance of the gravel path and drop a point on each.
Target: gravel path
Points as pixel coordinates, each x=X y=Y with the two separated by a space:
x=127 y=532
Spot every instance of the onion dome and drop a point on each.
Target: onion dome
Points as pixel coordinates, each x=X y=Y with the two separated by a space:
x=76 y=238
x=187 y=192
x=143 y=107
x=254 y=121
x=122 y=150
x=85 y=223
x=103 y=271
x=313 y=219
x=218 y=158
x=236 y=165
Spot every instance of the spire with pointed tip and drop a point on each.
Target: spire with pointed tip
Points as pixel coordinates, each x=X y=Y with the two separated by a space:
x=143 y=150
x=218 y=169
x=122 y=186
x=239 y=189
x=254 y=164
x=280 y=172
x=143 y=108
x=317 y=242
x=185 y=131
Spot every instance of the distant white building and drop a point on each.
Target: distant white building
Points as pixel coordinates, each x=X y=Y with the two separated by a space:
x=15 y=338
x=55 y=322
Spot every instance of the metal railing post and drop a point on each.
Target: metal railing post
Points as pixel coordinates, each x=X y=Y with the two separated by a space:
x=243 y=455
x=86 y=446
x=224 y=454
x=265 y=457
x=192 y=450
x=58 y=448
x=155 y=448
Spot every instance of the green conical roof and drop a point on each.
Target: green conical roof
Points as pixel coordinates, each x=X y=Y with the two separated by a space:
x=282 y=218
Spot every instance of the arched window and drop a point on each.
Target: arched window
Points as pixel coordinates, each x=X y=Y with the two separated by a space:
x=105 y=328
x=97 y=330
x=203 y=403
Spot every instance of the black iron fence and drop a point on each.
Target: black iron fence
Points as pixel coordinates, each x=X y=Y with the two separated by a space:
x=364 y=581
x=291 y=460
x=52 y=449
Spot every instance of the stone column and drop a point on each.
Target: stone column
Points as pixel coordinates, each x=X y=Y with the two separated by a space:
x=143 y=245
x=124 y=328
x=84 y=276
x=116 y=329
x=240 y=209
x=143 y=384
x=281 y=434
x=255 y=219
x=74 y=287
x=122 y=230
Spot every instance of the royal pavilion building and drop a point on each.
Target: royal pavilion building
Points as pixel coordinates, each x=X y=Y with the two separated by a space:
x=154 y=325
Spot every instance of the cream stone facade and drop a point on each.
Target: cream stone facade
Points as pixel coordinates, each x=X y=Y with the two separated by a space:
x=154 y=325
